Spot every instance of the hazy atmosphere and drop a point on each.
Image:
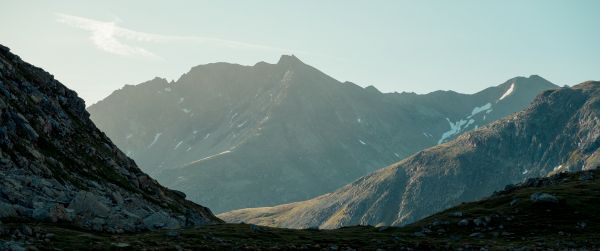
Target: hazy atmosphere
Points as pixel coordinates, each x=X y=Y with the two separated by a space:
x=96 y=47
x=300 y=125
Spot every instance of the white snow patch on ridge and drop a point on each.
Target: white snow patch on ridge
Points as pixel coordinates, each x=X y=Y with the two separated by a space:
x=209 y=157
x=461 y=125
x=242 y=124
x=362 y=142
x=455 y=128
x=479 y=109
x=155 y=139
x=508 y=92
x=178 y=144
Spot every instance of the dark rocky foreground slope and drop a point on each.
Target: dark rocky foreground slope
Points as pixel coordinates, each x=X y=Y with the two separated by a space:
x=56 y=166
x=233 y=136
x=559 y=131
x=559 y=212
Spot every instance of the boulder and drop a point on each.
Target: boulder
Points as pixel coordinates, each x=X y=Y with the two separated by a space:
x=160 y=220
x=87 y=203
x=7 y=210
x=543 y=197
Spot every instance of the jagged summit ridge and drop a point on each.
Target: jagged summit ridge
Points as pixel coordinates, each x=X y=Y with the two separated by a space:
x=289 y=60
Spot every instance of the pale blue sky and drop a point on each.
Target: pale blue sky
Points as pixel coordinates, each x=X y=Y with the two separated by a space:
x=418 y=46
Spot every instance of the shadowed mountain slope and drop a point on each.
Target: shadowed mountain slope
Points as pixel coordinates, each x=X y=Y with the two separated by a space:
x=56 y=166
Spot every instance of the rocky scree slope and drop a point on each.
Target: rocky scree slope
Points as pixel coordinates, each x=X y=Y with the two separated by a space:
x=557 y=212
x=56 y=166
x=559 y=131
x=233 y=136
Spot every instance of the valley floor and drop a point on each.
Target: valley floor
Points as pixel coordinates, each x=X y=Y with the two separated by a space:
x=559 y=212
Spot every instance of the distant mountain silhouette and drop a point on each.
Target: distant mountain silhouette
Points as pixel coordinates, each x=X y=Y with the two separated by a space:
x=234 y=136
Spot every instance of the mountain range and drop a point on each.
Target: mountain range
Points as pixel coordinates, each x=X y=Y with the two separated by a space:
x=65 y=186
x=233 y=136
x=559 y=131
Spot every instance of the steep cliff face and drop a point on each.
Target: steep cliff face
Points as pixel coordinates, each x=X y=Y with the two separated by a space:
x=233 y=136
x=55 y=165
x=559 y=131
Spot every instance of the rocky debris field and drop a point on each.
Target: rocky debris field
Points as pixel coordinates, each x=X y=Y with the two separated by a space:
x=558 y=212
x=56 y=166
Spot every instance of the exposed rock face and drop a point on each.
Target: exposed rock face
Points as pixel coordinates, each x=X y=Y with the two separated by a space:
x=55 y=165
x=233 y=136
x=559 y=131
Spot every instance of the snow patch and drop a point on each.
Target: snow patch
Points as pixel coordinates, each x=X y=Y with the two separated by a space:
x=181 y=100
x=459 y=126
x=287 y=76
x=471 y=121
x=358 y=120
x=205 y=137
x=557 y=168
x=178 y=144
x=155 y=139
x=479 y=109
x=264 y=119
x=455 y=128
x=209 y=157
x=508 y=92
x=168 y=89
x=242 y=124
x=362 y=142
x=525 y=171
x=128 y=136
x=186 y=110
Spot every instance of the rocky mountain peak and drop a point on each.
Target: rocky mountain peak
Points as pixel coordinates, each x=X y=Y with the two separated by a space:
x=55 y=165
x=289 y=60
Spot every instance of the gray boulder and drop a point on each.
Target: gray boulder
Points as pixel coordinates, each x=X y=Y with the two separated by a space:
x=88 y=203
x=160 y=220
x=7 y=210
x=543 y=197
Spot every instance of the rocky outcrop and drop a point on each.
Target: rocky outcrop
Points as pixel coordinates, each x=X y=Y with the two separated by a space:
x=559 y=131
x=56 y=166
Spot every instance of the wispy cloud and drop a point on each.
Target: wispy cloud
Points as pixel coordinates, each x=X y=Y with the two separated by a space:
x=110 y=37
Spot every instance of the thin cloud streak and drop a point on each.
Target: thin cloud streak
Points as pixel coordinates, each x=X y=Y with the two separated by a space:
x=109 y=37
